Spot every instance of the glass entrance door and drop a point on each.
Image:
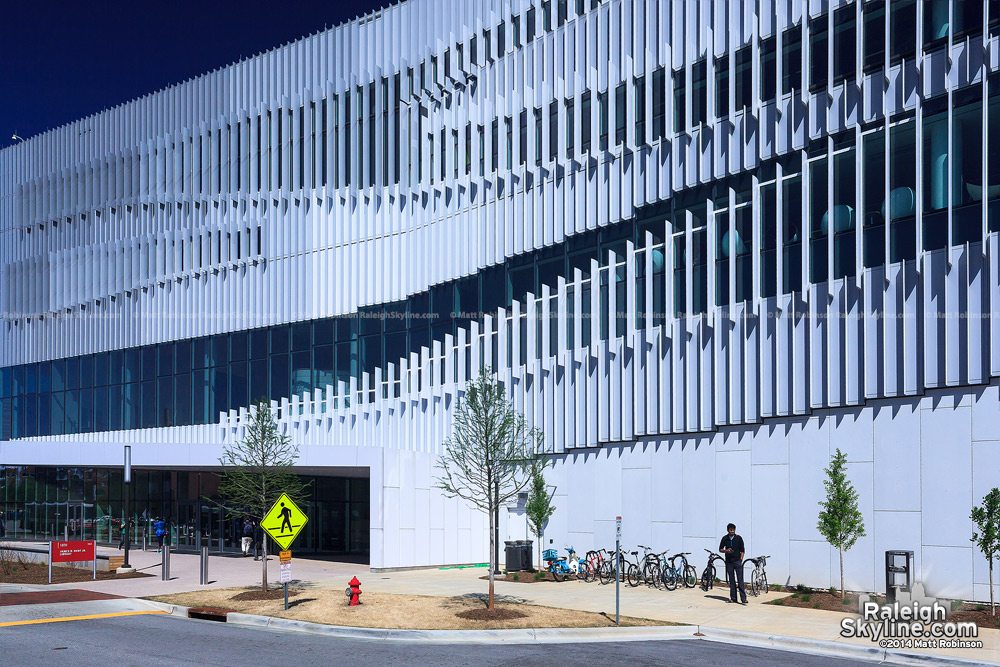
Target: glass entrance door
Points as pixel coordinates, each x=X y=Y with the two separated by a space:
x=75 y=517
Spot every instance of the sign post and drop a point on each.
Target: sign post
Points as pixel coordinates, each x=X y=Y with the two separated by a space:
x=285 y=571
x=283 y=522
x=71 y=552
x=618 y=560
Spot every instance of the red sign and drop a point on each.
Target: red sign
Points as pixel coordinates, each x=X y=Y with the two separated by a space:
x=68 y=552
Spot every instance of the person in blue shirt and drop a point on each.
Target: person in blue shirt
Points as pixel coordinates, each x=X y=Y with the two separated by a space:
x=733 y=549
x=160 y=529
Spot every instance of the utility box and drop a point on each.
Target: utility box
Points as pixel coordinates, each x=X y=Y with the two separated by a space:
x=898 y=573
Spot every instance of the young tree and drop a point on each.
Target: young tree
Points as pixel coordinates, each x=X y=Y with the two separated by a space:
x=987 y=519
x=490 y=454
x=840 y=520
x=539 y=507
x=259 y=469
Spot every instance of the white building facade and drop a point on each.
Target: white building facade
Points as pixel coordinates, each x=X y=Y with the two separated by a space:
x=623 y=207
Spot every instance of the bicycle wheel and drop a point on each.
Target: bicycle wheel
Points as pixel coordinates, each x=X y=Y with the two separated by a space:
x=652 y=575
x=583 y=570
x=556 y=574
x=606 y=572
x=669 y=578
x=708 y=578
x=763 y=581
x=634 y=575
x=647 y=574
x=690 y=576
x=754 y=576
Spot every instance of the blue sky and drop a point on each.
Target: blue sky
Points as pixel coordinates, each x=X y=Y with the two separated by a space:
x=61 y=61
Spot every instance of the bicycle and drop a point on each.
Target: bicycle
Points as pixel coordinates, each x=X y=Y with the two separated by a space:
x=624 y=569
x=758 y=578
x=650 y=563
x=668 y=572
x=708 y=575
x=557 y=565
x=687 y=575
x=592 y=563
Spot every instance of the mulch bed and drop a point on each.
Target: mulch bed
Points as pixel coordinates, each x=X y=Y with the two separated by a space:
x=38 y=573
x=270 y=594
x=819 y=600
x=977 y=613
x=498 y=614
x=523 y=577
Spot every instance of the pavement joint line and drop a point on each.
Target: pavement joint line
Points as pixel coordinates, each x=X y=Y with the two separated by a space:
x=80 y=618
x=593 y=635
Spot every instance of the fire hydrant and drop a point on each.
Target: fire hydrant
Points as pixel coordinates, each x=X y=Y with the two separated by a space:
x=354 y=592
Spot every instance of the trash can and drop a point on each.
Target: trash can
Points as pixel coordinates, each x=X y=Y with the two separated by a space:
x=512 y=551
x=518 y=555
x=526 y=562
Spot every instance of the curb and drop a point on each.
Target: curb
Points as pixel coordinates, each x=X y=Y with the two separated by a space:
x=833 y=649
x=592 y=635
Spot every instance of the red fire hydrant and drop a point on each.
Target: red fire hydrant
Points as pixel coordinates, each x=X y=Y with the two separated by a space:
x=354 y=592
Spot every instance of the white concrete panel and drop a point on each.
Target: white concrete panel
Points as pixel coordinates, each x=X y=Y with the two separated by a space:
x=895 y=531
x=808 y=456
x=733 y=487
x=854 y=434
x=809 y=565
x=699 y=488
x=897 y=463
x=946 y=572
x=767 y=533
x=946 y=476
x=636 y=506
x=770 y=443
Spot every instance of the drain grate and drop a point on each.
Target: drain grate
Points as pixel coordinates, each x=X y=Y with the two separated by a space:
x=209 y=613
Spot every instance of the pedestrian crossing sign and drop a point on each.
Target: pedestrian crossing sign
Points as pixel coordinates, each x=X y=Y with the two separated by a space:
x=284 y=521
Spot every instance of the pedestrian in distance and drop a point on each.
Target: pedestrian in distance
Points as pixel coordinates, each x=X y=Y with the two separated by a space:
x=247 y=535
x=160 y=528
x=124 y=534
x=732 y=547
x=258 y=541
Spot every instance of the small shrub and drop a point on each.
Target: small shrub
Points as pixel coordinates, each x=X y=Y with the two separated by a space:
x=833 y=590
x=515 y=576
x=795 y=595
x=956 y=604
x=846 y=601
x=815 y=605
x=980 y=607
x=539 y=576
x=806 y=597
x=779 y=602
x=800 y=587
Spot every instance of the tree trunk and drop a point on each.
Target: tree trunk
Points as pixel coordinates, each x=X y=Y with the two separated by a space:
x=993 y=609
x=841 y=573
x=541 y=541
x=493 y=537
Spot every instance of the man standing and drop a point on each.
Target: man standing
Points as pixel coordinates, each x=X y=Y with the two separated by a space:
x=732 y=546
x=247 y=535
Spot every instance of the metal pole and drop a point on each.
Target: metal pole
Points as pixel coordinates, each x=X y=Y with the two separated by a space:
x=618 y=560
x=95 y=559
x=496 y=528
x=165 y=563
x=286 y=596
x=204 y=566
x=50 y=561
x=127 y=526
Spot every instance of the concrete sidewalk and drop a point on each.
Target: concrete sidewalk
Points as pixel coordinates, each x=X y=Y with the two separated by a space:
x=224 y=571
x=691 y=606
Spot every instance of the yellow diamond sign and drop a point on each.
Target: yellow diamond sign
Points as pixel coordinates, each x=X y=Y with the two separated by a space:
x=284 y=521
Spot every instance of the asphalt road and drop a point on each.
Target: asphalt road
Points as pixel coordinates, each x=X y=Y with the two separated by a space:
x=168 y=640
